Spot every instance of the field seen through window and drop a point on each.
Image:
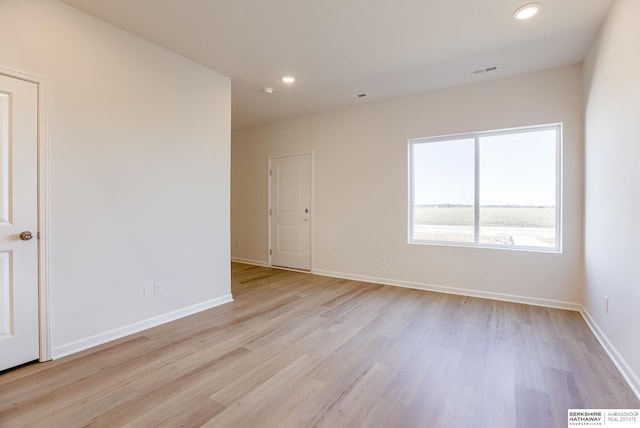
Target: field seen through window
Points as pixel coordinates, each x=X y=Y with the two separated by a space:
x=499 y=225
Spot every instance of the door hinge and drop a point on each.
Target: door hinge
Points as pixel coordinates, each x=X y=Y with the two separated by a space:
x=269 y=173
x=37 y=235
x=269 y=211
x=271 y=252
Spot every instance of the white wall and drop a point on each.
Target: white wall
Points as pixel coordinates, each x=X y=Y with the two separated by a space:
x=612 y=232
x=139 y=172
x=361 y=181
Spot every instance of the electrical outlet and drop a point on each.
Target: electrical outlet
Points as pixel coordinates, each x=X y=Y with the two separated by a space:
x=238 y=244
x=383 y=260
x=606 y=304
x=148 y=290
x=158 y=288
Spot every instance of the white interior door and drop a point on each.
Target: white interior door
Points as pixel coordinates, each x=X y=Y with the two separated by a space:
x=291 y=212
x=19 y=334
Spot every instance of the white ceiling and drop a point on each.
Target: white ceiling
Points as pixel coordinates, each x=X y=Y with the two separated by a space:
x=340 y=48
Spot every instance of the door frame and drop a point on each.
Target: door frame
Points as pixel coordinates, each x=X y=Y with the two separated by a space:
x=311 y=208
x=44 y=198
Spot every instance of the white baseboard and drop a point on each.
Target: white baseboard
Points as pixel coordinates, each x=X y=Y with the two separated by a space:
x=108 y=336
x=250 y=262
x=535 y=301
x=629 y=375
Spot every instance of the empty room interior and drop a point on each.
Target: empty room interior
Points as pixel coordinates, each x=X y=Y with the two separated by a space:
x=319 y=214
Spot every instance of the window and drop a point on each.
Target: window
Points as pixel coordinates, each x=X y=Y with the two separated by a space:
x=488 y=189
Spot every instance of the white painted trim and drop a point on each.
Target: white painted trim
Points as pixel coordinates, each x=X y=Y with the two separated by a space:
x=250 y=262
x=44 y=215
x=627 y=373
x=264 y=264
x=269 y=216
x=535 y=301
x=312 y=208
x=44 y=198
x=108 y=336
x=291 y=269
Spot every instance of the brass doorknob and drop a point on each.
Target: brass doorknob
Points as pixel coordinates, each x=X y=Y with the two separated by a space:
x=26 y=235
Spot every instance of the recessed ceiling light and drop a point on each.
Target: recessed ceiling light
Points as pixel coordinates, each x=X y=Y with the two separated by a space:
x=527 y=11
x=288 y=79
x=267 y=90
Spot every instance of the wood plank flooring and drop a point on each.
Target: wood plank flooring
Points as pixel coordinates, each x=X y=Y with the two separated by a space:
x=298 y=350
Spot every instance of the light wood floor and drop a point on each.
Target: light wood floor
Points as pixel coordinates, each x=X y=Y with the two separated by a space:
x=298 y=350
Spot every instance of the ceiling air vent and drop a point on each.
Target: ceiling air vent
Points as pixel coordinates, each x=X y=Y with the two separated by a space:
x=484 y=70
x=358 y=96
